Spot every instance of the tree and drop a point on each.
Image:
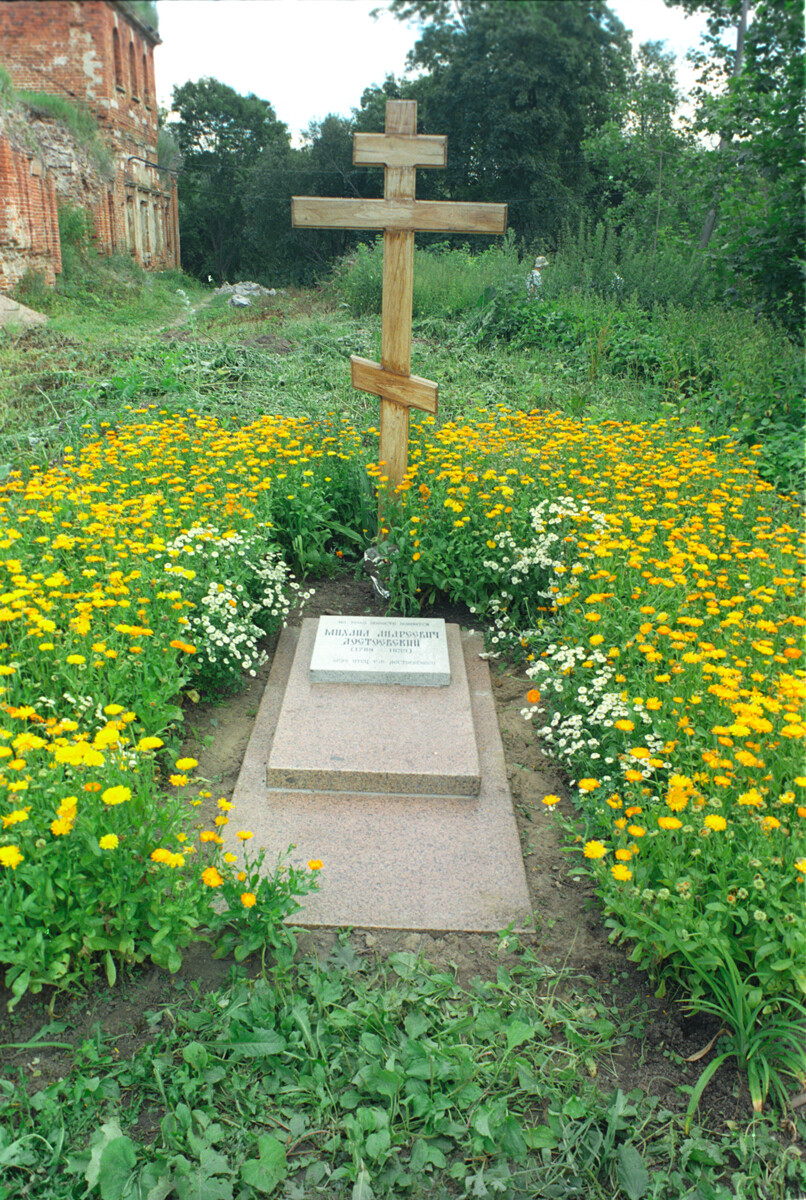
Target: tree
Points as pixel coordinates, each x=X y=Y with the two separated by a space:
x=640 y=160
x=516 y=85
x=760 y=117
x=221 y=135
x=322 y=167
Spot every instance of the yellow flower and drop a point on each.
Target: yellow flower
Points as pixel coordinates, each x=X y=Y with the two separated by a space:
x=230 y=858
x=550 y=800
x=588 y=785
x=712 y=821
x=665 y=823
x=61 y=827
x=212 y=878
x=620 y=872
x=150 y=743
x=315 y=864
x=594 y=850
x=244 y=835
x=627 y=726
x=109 y=841
x=116 y=795
x=14 y=818
x=186 y=764
x=178 y=780
x=248 y=899
x=10 y=856
x=800 y=864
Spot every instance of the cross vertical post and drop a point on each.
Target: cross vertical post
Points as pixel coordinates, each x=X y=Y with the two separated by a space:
x=398 y=289
x=399 y=150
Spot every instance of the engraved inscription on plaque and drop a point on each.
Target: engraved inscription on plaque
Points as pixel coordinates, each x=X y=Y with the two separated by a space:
x=402 y=650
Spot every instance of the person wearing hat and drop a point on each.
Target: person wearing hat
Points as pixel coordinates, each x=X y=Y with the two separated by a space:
x=534 y=281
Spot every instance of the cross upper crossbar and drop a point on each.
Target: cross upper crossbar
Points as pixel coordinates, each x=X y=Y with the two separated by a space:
x=416 y=216
x=399 y=150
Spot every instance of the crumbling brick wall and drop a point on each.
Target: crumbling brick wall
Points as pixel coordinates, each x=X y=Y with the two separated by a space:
x=29 y=229
x=92 y=52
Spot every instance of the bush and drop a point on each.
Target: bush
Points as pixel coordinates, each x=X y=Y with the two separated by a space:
x=446 y=281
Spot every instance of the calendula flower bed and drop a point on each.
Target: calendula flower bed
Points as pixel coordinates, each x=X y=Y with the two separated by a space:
x=652 y=580
x=655 y=584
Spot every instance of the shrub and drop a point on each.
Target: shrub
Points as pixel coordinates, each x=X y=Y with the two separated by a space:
x=446 y=281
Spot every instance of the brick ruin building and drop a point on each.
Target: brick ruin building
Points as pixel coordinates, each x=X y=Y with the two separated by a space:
x=100 y=54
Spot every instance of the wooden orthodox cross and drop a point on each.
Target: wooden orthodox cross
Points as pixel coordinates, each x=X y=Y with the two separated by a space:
x=400 y=150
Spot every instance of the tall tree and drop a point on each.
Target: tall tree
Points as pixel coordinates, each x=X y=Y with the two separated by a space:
x=221 y=134
x=516 y=85
x=323 y=166
x=759 y=116
x=640 y=158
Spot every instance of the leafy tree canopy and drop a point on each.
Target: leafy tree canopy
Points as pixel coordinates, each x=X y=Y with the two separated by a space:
x=221 y=135
x=516 y=85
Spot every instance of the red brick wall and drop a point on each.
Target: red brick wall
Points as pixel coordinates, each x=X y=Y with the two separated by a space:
x=93 y=52
x=67 y=47
x=29 y=230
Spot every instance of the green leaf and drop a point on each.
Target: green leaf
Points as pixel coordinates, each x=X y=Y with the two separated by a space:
x=540 y=1138
x=255 y=1043
x=632 y=1173
x=117 y=1162
x=378 y=1143
x=518 y=1032
x=378 y=1079
x=416 y=1024
x=111 y=969
x=362 y=1188
x=575 y=1108
x=265 y=1172
x=512 y=1140
x=419 y=1155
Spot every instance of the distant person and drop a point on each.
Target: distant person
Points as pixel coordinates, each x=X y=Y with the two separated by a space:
x=534 y=281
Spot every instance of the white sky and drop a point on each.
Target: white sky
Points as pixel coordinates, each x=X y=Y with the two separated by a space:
x=309 y=58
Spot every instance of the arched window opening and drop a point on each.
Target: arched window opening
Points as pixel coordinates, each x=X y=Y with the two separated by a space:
x=117 y=59
x=145 y=79
x=133 y=73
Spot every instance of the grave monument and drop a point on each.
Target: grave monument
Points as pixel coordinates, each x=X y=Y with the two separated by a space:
x=376 y=746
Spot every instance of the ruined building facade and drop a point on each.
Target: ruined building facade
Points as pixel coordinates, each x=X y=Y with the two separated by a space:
x=100 y=54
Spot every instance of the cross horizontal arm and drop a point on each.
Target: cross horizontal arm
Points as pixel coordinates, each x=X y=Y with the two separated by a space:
x=409 y=390
x=417 y=216
x=400 y=150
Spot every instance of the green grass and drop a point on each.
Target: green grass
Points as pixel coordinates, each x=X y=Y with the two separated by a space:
x=360 y=1078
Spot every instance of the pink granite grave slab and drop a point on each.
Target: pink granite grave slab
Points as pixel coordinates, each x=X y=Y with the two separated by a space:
x=385 y=738
x=391 y=861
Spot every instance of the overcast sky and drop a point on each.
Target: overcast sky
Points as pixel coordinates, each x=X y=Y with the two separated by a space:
x=309 y=58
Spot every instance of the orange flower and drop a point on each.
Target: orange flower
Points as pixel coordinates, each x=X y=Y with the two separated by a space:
x=212 y=878
x=248 y=899
x=533 y=696
x=315 y=864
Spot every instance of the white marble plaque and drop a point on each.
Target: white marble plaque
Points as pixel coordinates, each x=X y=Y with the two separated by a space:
x=407 y=650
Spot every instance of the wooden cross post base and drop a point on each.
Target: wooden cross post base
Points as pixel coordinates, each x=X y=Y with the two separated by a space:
x=400 y=150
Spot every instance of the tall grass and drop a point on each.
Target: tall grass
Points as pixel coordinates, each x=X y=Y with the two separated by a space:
x=600 y=260
x=446 y=281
